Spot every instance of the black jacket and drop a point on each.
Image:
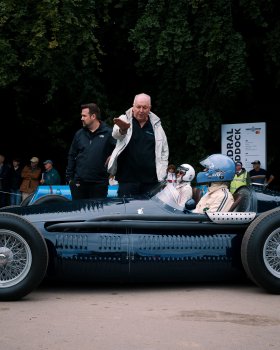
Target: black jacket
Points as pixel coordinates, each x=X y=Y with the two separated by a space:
x=5 y=177
x=88 y=154
x=15 y=178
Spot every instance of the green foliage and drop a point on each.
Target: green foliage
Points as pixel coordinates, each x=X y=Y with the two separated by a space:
x=54 y=40
x=51 y=49
x=202 y=61
x=199 y=59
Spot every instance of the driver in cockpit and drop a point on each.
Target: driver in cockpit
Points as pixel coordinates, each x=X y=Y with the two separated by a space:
x=178 y=195
x=219 y=171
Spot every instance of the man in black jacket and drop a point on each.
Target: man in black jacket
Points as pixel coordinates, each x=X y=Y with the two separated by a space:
x=88 y=156
x=4 y=181
x=15 y=182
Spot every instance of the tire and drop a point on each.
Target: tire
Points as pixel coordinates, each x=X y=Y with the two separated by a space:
x=7 y=207
x=51 y=198
x=26 y=201
x=23 y=257
x=260 y=251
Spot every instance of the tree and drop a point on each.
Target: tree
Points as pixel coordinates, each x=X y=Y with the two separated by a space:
x=51 y=61
x=199 y=60
x=203 y=62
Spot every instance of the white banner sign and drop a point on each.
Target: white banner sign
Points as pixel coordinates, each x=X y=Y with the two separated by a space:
x=245 y=142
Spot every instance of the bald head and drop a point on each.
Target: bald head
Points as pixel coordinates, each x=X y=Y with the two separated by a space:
x=142 y=98
x=141 y=108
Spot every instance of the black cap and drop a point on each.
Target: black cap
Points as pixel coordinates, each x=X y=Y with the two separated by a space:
x=48 y=161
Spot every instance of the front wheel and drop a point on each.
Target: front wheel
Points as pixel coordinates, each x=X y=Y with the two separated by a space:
x=23 y=257
x=260 y=251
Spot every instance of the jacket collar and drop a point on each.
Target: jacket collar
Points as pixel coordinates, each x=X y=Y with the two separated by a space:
x=217 y=186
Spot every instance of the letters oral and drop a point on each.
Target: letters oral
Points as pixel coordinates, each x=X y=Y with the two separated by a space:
x=234 y=144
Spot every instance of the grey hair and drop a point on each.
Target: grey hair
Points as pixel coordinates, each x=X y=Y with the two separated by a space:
x=142 y=95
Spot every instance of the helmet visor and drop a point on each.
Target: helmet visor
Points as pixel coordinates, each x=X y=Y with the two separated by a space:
x=207 y=163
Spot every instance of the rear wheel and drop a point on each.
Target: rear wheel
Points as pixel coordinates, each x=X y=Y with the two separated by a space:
x=23 y=257
x=260 y=251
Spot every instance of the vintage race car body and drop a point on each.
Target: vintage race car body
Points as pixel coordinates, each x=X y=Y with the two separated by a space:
x=139 y=239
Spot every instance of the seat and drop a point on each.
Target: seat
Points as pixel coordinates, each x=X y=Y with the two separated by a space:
x=244 y=200
x=191 y=203
x=237 y=199
x=197 y=194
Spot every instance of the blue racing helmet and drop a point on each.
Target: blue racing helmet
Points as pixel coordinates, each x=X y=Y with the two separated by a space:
x=218 y=168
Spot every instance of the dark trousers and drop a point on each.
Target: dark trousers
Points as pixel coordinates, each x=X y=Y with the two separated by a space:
x=86 y=190
x=135 y=188
x=3 y=199
x=4 y=195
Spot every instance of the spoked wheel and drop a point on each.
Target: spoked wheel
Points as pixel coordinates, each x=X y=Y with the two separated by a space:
x=15 y=255
x=260 y=251
x=23 y=257
x=271 y=253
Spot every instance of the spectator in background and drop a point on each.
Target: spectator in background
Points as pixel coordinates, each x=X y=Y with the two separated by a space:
x=50 y=176
x=15 y=182
x=88 y=156
x=140 y=158
x=30 y=178
x=260 y=175
x=113 y=181
x=241 y=177
x=4 y=181
x=171 y=174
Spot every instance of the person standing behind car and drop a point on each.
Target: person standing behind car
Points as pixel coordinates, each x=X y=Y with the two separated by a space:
x=140 y=158
x=171 y=176
x=260 y=175
x=50 y=176
x=88 y=156
x=15 y=182
x=30 y=178
x=4 y=181
x=241 y=177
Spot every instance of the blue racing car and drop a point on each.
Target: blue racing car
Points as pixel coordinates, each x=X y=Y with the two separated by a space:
x=55 y=193
x=139 y=239
x=142 y=239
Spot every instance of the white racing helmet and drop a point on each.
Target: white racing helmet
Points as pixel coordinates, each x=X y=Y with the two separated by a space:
x=188 y=172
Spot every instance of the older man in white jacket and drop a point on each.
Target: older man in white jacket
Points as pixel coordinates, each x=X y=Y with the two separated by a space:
x=140 y=158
